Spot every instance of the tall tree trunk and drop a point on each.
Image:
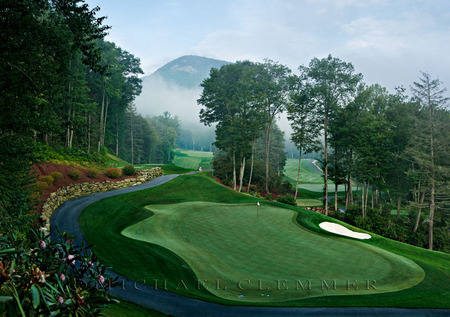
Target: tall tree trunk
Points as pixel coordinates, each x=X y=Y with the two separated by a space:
x=298 y=173
x=336 y=197
x=251 y=167
x=362 y=199
x=234 y=169
x=131 y=138
x=325 y=125
x=367 y=197
x=267 y=154
x=89 y=134
x=104 y=121
x=416 y=225
x=117 y=134
x=101 y=116
x=349 y=186
x=433 y=180
x=399 y=201
x=241 y=173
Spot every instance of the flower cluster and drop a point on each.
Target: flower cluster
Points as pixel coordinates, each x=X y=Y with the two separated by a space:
x=57 y=278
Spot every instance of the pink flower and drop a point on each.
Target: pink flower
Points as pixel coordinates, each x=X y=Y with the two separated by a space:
x=70 y=258
x=62 y=277
x=42 y=244
x=60 y=300
x=90 y=264
x=101 y=279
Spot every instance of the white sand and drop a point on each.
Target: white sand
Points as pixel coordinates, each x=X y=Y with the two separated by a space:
x=338 y=229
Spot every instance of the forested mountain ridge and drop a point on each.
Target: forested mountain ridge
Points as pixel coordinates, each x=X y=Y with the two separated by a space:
x=187 y=71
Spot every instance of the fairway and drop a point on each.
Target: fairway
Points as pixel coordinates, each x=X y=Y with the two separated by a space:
x=241 y=253
x=192 y=159
x=309 y=178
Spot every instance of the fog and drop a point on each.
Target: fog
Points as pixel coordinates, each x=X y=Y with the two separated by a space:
x=159 y=96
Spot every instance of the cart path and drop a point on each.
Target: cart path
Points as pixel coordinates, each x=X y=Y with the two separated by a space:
x=66 y=219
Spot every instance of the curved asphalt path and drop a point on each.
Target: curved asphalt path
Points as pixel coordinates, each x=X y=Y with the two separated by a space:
x=66 y=219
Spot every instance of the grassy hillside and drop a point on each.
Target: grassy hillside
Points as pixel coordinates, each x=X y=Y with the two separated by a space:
x=103 y=223
x=192 y=159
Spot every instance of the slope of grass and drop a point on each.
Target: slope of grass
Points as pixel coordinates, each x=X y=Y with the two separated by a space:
x=104 y=221
x=167 y=168
x=192 y=159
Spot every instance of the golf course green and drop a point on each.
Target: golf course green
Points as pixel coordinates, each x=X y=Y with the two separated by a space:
x=250 y=251
x=192 y=159
x=200 y=239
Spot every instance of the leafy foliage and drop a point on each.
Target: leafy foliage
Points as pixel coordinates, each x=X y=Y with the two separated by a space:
x=42 y=277
x=113 y=172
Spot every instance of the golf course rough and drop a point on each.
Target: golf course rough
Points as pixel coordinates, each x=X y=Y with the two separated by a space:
x=243 y=254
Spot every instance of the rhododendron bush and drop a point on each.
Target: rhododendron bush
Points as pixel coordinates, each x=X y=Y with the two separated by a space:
x=56 y=278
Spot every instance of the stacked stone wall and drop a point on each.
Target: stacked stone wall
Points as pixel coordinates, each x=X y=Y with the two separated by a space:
x=64 y=194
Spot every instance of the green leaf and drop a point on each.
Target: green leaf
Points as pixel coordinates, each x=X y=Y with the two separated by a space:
x=35 y=296
x=4 y=299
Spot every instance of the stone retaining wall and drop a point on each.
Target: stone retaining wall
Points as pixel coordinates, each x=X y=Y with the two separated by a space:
x=64 y=194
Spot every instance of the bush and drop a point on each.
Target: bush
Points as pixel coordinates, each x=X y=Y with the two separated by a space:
x=56 y=176
x=287 y=199
x=269 y=197
x=48 y=179
x=75 y=174
x=41 y=186
x=113 y=172
x=51 y=278
x=93 y=172
x=129 y=170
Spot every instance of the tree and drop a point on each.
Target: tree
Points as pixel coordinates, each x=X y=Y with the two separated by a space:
x=229 y=99
x=274 y=87
x=430 y=95
x=301 y=115
x=333 y=83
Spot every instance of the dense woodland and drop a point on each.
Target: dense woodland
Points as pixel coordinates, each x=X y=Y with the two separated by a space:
x=393 y=148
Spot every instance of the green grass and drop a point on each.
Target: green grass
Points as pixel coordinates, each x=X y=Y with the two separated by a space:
x=127 y=309
x=192 y=159
x=231 y=243
x=104 y=221
x=307 y=174
x=309 y=203
x=402 y=212
x=167 y=168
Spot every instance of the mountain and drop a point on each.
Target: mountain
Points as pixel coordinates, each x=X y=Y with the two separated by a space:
x=175 y=87
x=188 y=71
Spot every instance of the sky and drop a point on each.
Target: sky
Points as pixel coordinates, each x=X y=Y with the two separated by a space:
x=388 y=41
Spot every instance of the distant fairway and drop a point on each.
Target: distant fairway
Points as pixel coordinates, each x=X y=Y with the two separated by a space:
x=192 y=159
x=309 y=178
x=229 y=243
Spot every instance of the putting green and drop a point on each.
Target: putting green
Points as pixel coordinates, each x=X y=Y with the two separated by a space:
x=240 y=253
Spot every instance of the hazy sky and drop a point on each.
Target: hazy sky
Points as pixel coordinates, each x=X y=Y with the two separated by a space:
x=388 y=41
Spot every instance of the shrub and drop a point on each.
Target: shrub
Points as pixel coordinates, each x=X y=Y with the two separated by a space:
x=113 y=172
x=75 y=174
x=129 y=170
x=41 y=186
x=287 y=199
x=56 y=176
x=269 y=196
x=93 y=172
x=48 y=179
x=74 y=281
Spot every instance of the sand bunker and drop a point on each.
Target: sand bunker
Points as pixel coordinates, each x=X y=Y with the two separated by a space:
x=339 y=229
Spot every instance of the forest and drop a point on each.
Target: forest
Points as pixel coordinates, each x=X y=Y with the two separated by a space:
x=391 y=147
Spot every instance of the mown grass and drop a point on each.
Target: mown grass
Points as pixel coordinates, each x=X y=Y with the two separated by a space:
x=192 y=159
x=103 y=222
x=167 y=168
